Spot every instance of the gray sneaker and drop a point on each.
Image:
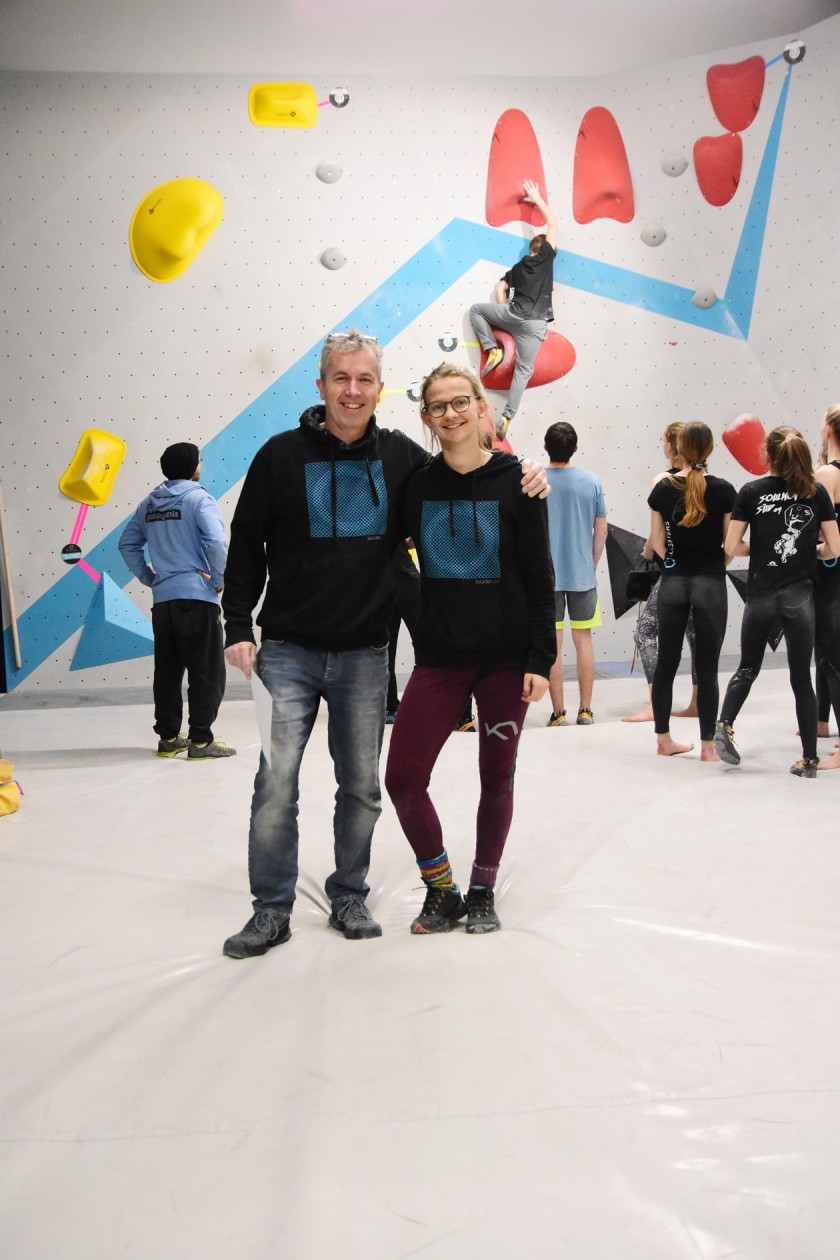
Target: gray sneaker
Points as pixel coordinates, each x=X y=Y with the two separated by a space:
x=353 y=918
x=261 y=933
x=171 y=747
x=206 y=752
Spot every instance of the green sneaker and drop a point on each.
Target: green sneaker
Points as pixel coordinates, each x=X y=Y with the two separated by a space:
x=207 y=752
x=171 y=747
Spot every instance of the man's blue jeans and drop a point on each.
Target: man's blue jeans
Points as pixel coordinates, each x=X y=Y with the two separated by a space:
x=354 y=684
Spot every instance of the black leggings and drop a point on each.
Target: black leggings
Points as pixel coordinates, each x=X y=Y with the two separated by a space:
x=704 y=595
x=645 y=635
x=827 y=610
x=793 y=606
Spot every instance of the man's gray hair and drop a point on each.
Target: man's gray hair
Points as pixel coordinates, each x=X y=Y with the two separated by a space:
x=348 y=343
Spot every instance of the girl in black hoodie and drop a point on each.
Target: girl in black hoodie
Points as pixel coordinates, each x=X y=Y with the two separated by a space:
x=486 y=628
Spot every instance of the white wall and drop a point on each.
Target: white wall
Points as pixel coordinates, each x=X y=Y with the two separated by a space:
x=86 y=340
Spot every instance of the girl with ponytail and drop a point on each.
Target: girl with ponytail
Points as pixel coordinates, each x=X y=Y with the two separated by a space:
x=647 y=622
x=785 y=514
x=688 y=523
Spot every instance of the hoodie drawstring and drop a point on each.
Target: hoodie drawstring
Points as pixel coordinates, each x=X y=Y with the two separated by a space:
x=374 y=493
x=476 y=536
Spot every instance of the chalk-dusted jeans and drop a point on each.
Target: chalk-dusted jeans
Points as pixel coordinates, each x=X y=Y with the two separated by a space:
x=353 y=685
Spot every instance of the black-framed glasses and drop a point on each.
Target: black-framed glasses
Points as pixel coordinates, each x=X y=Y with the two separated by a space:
x=438 y=409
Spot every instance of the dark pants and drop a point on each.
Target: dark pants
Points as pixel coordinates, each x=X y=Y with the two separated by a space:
x=188 y=637
x=704 y=595
x=406 y=609
x=827 y=610
x=431 y=703
x=793 y=606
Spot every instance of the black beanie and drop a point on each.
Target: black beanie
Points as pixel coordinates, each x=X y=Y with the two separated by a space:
x=179 y=462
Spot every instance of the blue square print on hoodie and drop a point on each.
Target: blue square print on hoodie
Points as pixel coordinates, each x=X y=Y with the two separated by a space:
x=460 y=539
x=361 y=500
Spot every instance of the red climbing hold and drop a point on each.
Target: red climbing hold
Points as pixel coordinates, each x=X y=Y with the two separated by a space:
x=514 y=157
x=744 y=438
x=502 y=444
x=735 y=92
x=717 y=164
x=555 y=357
x=602 y=185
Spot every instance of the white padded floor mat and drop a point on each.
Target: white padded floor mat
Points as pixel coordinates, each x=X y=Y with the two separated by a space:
x=643 y=1065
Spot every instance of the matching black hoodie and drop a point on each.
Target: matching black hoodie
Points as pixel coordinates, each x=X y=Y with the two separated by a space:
x=320 y=520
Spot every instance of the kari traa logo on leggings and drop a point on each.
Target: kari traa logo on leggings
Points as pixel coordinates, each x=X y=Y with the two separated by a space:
x=464 y=544
x=357 y=512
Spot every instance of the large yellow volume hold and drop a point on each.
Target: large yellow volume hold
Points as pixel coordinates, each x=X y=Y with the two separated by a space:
x=171 y=226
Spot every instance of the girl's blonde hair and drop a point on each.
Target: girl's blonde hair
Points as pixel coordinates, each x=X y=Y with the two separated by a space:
x=694 y=444
x=789 y=457
x=671 y=433
x=832 y=419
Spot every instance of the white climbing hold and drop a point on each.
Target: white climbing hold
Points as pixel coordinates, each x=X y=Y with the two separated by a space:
x=653 y=234
x=333 y=259
x=329 y=172
x=674 y=164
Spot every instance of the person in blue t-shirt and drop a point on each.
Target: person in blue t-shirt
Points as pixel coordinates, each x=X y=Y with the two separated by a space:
x=577 y=528
x=181 y=527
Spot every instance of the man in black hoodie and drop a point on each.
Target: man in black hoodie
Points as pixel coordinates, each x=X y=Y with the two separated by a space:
x=317 y=518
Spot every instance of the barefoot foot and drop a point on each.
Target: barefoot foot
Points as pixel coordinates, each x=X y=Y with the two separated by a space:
x=707 y=750
x=644 y=715
x=668 y=747
x=830 y=763
x=691 y=711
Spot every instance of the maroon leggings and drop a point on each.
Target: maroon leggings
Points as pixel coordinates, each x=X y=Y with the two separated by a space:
x=429 y=709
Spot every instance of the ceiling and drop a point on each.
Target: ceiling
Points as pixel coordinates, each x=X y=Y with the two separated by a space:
x=300 y=38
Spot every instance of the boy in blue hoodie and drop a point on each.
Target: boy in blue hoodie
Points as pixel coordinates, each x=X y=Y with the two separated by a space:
x=182 y=528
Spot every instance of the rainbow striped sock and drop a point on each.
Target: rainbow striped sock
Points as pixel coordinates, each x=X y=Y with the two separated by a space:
x=437 y=872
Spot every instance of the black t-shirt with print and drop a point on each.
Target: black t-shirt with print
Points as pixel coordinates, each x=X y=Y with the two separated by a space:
x=532 y=283
x=784 y=531
x=696 y=548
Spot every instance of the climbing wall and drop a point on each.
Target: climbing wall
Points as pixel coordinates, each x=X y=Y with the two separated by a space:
x=694 y=279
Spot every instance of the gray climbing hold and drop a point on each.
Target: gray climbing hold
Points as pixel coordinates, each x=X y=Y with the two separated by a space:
x=333 y=259
x=339 y=97
x=415 y=391
x=704 y=298
x=653 y=234
x=674 y=164
x=329 y=172
x=794 y=51
x=448 y=341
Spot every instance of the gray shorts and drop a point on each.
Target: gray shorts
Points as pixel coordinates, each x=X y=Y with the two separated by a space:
x=584 y=609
